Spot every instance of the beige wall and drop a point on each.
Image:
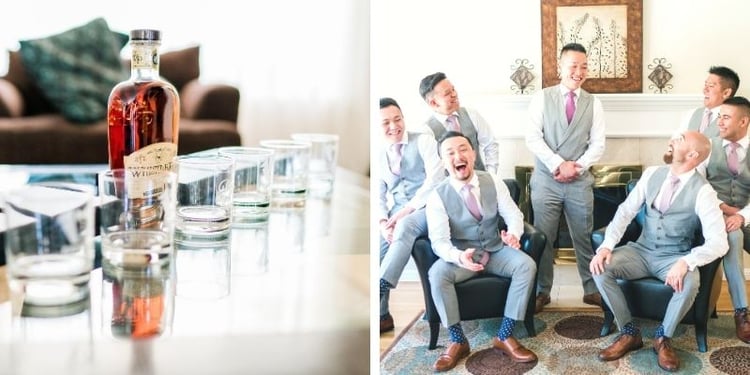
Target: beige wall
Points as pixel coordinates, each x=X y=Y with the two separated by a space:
x=414 y=38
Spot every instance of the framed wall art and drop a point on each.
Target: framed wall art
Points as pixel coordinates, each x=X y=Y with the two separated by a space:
x=610 y=30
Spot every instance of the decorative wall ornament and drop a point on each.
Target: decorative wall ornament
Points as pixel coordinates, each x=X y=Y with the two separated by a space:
x=522 y=76
x=660 y=75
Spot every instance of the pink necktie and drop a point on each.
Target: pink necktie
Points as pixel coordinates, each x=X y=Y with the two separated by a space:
x=570 y=106
x=452 y=122
x=706 y=120
x=733 y=161
x=668 y=193
x=471 y=202
x=396 y=161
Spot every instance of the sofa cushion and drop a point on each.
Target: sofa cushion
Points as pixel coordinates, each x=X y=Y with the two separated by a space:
x=77 y=69
x=181 y=66
x=34 y=102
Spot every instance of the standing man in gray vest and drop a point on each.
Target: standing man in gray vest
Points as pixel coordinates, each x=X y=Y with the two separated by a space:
x=677 y=201
x=722 y=83
x=409 y=168
x=728 y=172
x=463 y=214
x=438 y=92
x=566 y=136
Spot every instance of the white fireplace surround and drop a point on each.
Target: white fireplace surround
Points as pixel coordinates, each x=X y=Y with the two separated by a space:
x=637 y=125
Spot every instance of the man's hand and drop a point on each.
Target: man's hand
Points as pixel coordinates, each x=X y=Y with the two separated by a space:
x=465 y=260
x=598 y=262
x=398 y=216
x=386 y=231
x=510 y=239
x=728 y=210
x=567 y=172
x=676 y=275
x=734 y=222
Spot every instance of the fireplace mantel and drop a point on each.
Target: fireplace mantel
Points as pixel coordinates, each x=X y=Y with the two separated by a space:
x=626 y=115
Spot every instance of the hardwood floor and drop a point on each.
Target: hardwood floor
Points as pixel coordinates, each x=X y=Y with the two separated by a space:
x=407 y=302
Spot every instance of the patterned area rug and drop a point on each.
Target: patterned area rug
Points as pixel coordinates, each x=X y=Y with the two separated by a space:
x=568 y=343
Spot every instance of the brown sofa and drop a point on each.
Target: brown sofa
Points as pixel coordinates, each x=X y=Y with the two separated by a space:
x=33 y=132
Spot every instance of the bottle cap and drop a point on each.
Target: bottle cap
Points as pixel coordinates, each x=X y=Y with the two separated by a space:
x=145 y=34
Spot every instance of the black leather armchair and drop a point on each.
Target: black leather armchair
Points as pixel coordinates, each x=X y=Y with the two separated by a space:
x=648 y=297
x=482 y=296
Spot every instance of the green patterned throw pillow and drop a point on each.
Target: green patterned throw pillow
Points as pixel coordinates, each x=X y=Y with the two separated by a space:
x=77 y=69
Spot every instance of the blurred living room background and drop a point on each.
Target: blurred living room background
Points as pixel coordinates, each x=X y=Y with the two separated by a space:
x=300 y=66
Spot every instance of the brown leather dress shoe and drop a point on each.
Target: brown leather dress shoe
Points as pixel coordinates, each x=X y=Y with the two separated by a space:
x=667 y=358
x=386 y=323
x=620 y=347
x=514 y=350
x=593 y=299
x=742 y=324
x=450 y=357
x=542 y=299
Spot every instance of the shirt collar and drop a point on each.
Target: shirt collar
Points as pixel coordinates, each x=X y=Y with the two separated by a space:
x=744 y=141
x=404 y=140
x=444 y=118
x=684 y=177
x=564 y=91
x=458 y=185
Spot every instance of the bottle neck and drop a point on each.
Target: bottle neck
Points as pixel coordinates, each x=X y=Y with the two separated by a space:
x=144 y=64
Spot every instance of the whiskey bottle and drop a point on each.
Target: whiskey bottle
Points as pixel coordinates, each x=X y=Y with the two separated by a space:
x=143 y=113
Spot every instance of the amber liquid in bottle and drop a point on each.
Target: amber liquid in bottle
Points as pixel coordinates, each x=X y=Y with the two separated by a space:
x=143 y=112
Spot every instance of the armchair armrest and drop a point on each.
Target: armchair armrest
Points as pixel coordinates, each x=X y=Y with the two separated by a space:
x=11 y=100
x=632 y=232
x=210 y=101
x=533 y=241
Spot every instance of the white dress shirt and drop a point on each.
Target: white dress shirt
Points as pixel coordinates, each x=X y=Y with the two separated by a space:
x=434 y=173
x=741 y=154
x=706 y=207
x=535 y=135
x=437 y=218
x=488 y=147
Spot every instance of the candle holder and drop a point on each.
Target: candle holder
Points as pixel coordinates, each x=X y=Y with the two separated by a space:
x=522 y=77
x=660 y=76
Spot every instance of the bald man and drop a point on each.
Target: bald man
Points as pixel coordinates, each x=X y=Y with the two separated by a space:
x=677 y=202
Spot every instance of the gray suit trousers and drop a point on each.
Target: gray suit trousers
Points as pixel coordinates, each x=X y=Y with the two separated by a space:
x=394 y=257
x=633 y=261
x=734 y=267
x=550 y=199
x=506 y=262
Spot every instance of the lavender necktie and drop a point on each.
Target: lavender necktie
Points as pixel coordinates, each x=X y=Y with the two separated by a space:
x=452 y=122
x=471 y=202
x=733 y=160
x=668 y=193
x=570 y=106
x=706 y=120
x=396 y=161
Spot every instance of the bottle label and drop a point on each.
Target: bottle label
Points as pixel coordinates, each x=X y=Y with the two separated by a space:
x=147 y=168
x=145 y=57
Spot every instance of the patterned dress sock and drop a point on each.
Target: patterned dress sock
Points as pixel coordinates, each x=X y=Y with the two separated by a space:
x=632 y=330
x=506 y=328
x=384 y=286
x=659 y=331
x=740 y=311
x=457 y=333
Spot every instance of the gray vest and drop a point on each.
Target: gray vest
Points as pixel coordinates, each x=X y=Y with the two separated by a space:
x=466 y=231
x=403 y=187
x=568 y=141
x=712 y=130
x=672 y=232
x=467 y=128
x=733 y=190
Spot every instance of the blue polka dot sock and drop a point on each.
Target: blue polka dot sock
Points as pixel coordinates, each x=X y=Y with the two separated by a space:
x=384 y=286
x=632 y=330
x=457 y=333
x=506 y=328
x=740 y=311
x=659 y=331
